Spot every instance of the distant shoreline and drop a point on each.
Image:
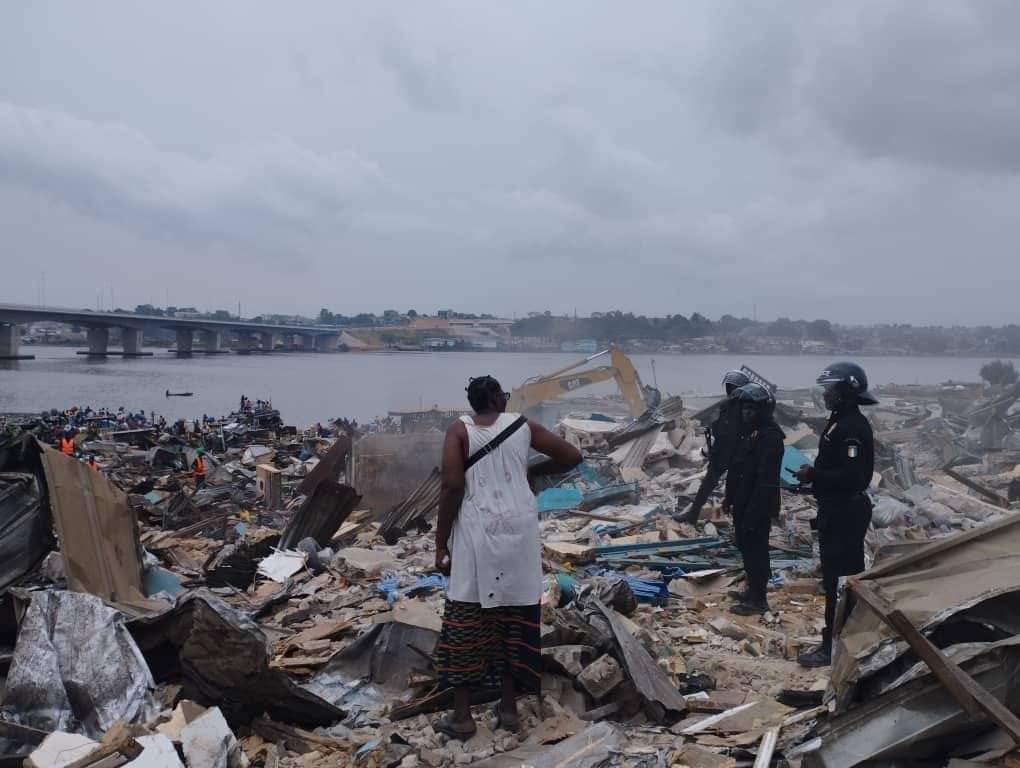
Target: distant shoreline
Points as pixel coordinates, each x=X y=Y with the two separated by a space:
x=628 y=350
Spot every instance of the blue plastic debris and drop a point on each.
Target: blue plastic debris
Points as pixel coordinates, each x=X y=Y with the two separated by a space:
x=566 y=584
x=391 y=589
x=156 y=580
x=588 y=474
x=552 y=499
x=619 y=493
x=646 y=590
x=793 y=460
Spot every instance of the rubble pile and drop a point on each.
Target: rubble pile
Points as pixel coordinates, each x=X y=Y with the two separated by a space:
x=265 y=615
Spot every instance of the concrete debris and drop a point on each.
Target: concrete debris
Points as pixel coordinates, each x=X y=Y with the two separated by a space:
x=208 y=742
x=601 y=677
x=60 y=749
x=282 y=610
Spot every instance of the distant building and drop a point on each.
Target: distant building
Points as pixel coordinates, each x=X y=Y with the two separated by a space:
x=584 y=346
x=440 y=342
x=483 y=325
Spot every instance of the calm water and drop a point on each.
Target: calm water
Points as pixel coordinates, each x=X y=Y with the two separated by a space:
x=314 y=387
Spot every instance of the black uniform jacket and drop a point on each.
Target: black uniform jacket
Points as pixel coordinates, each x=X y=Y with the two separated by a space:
x=752 y=485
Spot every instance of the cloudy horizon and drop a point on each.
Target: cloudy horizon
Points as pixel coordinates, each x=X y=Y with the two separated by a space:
x=856 y=162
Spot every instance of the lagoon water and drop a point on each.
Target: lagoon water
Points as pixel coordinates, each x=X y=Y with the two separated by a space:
x=309 y=387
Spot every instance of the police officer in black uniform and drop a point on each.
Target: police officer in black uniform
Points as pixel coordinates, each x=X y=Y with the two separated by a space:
x=723 y=435
x=753 y=494
x=839 y=479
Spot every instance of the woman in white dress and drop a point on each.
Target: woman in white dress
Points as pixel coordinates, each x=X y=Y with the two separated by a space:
x=487 y=540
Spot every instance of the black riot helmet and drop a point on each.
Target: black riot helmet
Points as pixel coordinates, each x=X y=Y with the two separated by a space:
x=759 y=398
x=850 y=380
x=753 y=393
x=734 y=380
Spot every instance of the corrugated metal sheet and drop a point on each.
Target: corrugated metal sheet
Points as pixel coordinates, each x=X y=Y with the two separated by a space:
x=419 y=506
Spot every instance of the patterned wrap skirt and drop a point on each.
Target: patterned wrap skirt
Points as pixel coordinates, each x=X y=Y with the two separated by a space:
x=477 y=645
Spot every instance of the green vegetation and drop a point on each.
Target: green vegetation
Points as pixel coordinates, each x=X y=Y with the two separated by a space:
x=999 y=373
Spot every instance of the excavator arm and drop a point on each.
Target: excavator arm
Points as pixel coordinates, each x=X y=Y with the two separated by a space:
x=639 y=398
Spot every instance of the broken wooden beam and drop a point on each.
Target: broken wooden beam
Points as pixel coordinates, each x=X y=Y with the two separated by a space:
x=989 y=494
x=21 y=734
x=767 y=747
x=969 y=694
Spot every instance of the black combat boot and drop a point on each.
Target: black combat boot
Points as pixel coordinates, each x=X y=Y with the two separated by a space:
x=820 y=656
x=691 y=516
x=754 y=603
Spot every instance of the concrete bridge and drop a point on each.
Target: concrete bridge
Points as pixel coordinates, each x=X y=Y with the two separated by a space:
x=213 y=335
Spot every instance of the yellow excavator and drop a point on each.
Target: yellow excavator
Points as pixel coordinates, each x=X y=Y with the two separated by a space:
x=639 y=398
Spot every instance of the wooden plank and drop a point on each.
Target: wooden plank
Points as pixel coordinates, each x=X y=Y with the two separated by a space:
x=568 y=551
x=97 y=528
x=126 y=747
x=971 y=696
x=22 y=734
x=995 y=498
x=766 y=748
x=941 y=545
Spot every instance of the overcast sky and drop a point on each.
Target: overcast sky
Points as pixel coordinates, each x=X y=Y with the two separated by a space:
x=856 y=161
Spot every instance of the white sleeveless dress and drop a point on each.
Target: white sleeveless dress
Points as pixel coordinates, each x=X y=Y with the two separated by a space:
x=494 y=544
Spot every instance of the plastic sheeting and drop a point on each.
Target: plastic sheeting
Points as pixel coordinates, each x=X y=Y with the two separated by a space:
x=225 y=656
x=76 y=668
x=25 y=528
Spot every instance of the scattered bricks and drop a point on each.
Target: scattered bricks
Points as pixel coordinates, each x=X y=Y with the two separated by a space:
x=601 y=676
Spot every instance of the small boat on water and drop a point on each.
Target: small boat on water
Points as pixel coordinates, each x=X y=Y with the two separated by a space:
x=179 y=394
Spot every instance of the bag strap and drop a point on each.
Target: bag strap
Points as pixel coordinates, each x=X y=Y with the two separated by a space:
x=493 y=444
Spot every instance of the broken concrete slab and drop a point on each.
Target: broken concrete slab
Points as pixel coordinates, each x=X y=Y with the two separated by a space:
x=370 y=561
x=601 y=677
x=693 y=756
x=157 y=752
x=208 y=742
x=60 y=749
x=588 y=749
x=568 y=659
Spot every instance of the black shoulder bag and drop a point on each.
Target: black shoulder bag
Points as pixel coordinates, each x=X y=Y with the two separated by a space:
x=493 y=444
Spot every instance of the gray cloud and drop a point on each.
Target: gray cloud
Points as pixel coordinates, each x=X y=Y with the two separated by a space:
x=266 y=198
x=939 y=88
x=813 y=159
